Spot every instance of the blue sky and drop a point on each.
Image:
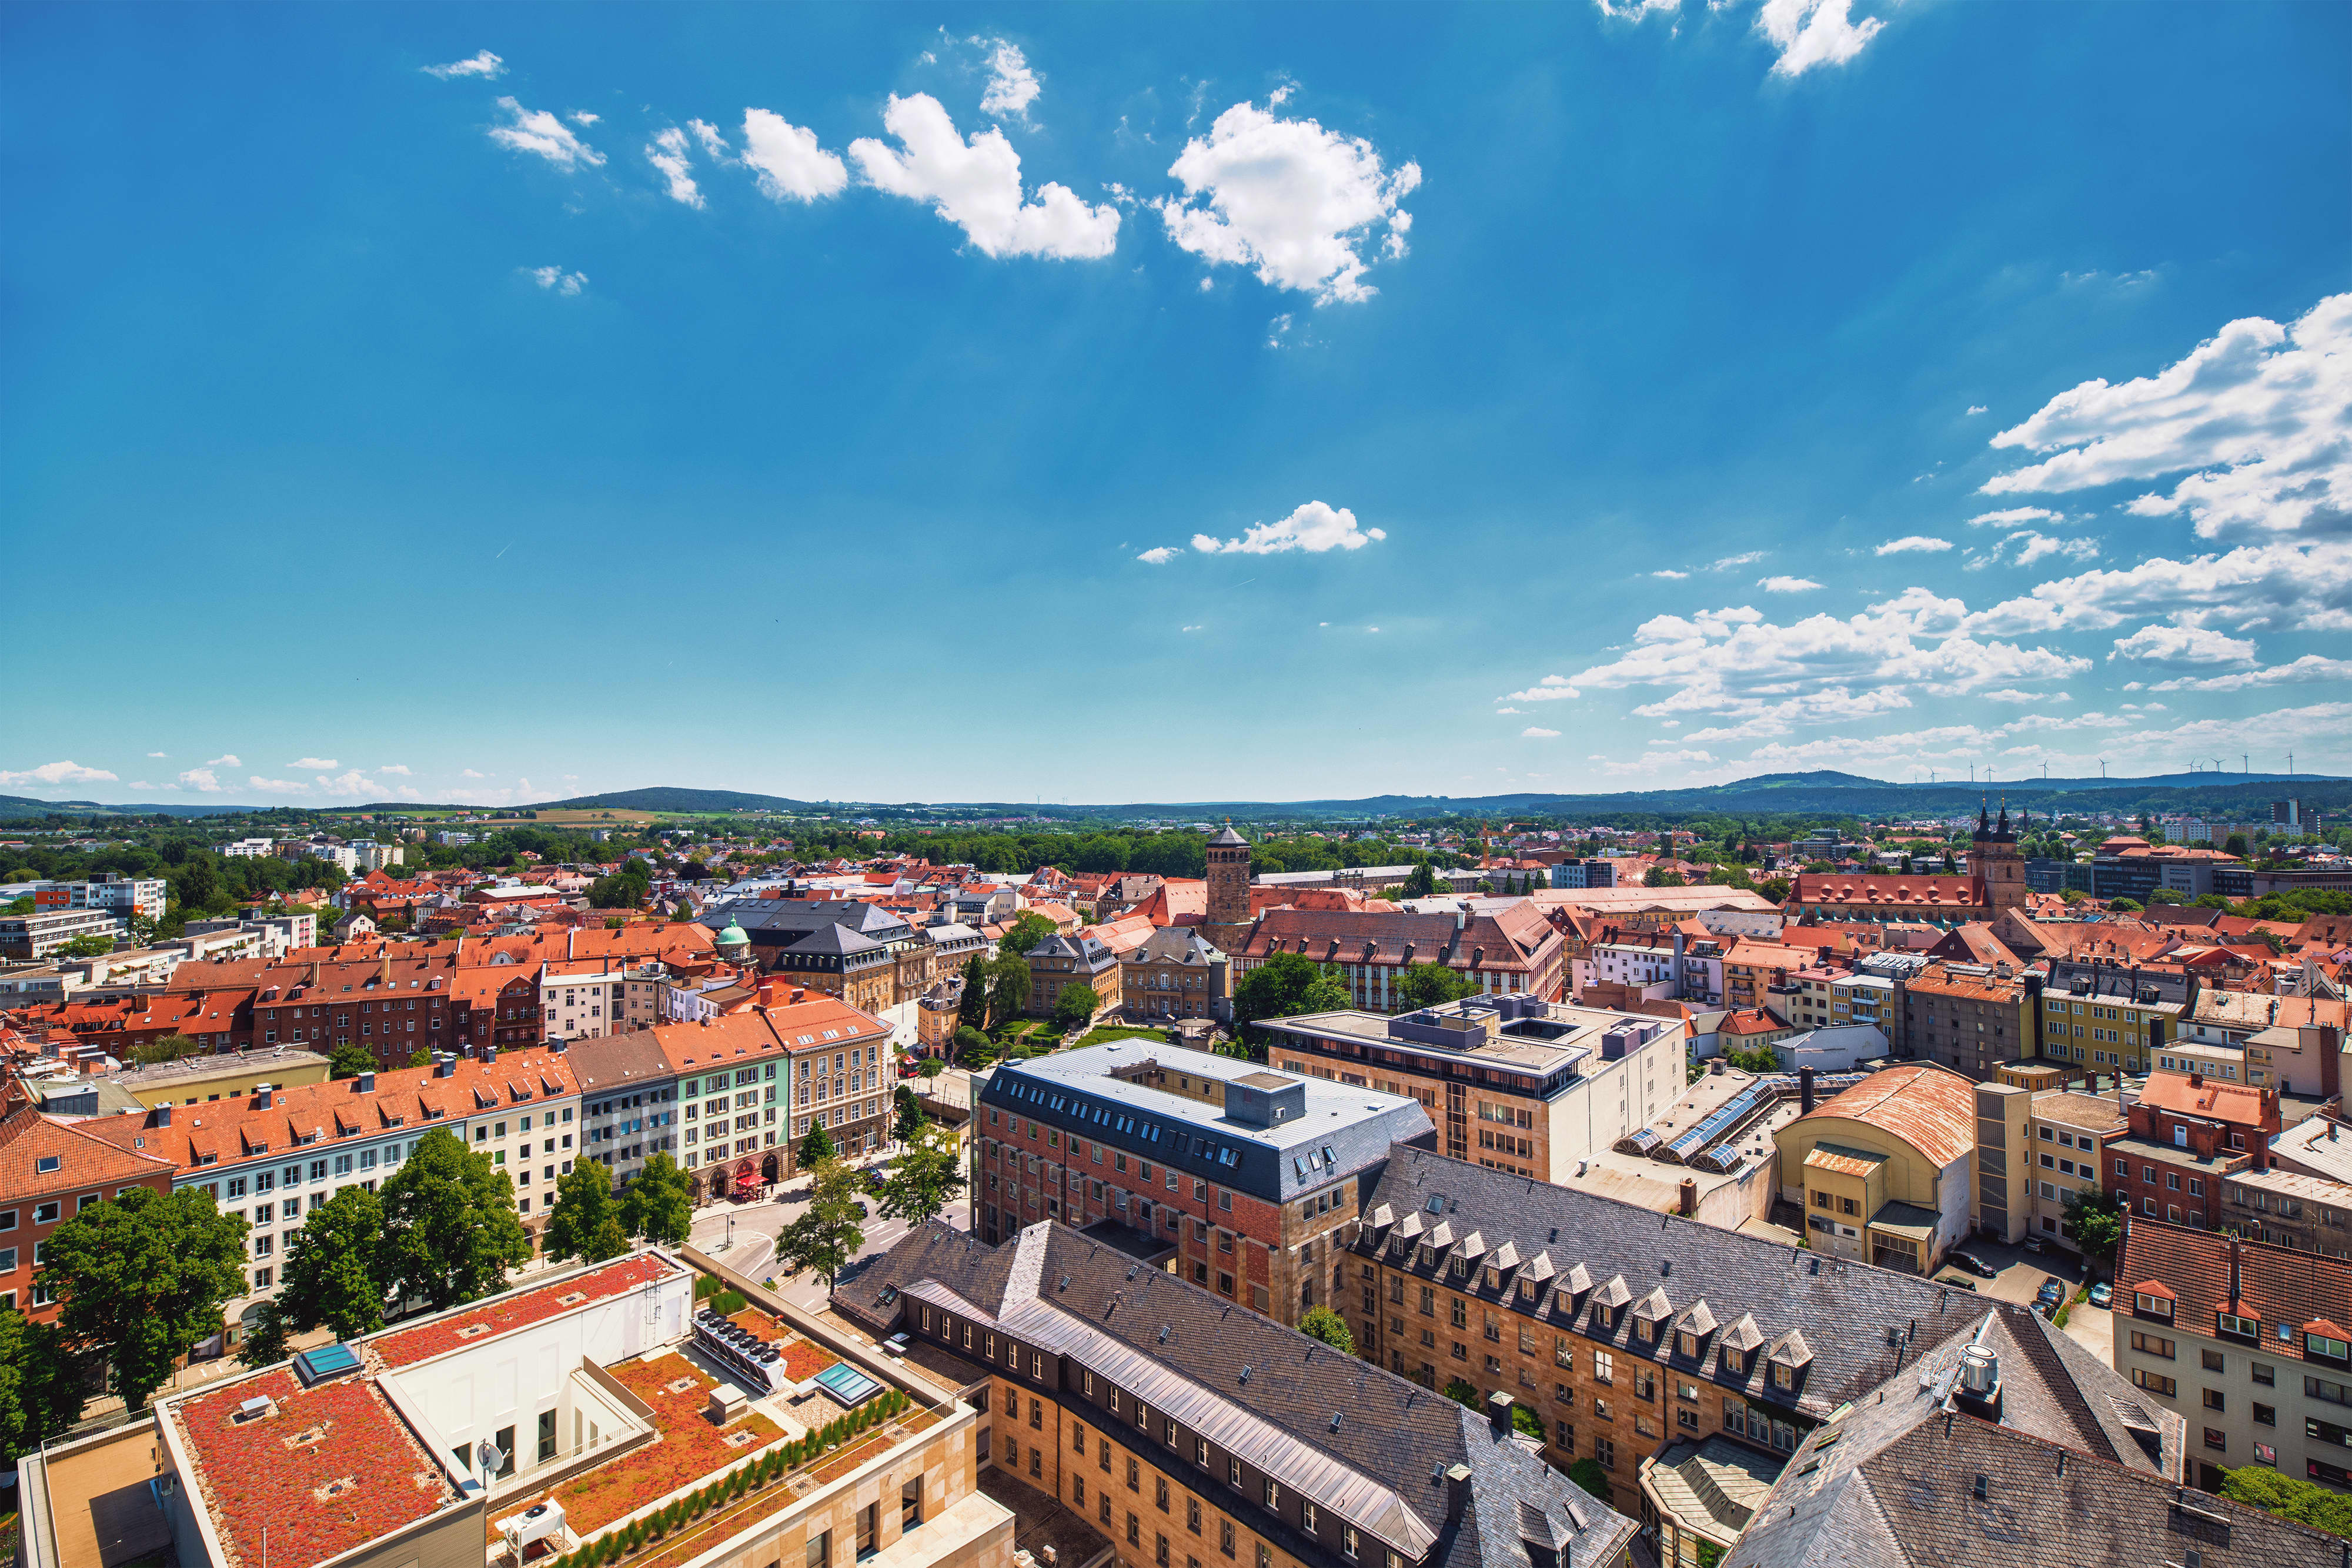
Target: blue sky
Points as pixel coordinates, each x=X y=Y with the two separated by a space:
x=1164 y=403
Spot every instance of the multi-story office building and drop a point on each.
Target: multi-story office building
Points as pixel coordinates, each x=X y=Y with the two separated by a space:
x=2067 y=1128
x=1621 y=1331
x=1524 y=1085
x=1970 y=1018
x=1184 y=1432
x=1243 y=1177
x=273 y=1158
x=2185 y=1135
x=628 y=1101
x=39 y=931
x=2103 y=1017
x=125 y=897
x=2245 y=1341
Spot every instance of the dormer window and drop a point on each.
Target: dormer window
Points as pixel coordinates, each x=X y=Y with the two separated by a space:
x=1735 y=1363
x=2153 y=1306
x=2322 y=1347
x=1784 y=1377
x=1494 y=1278
x=2231 y=1323
x=1645 y=1331
x=1690 y=1345
x=1427 y=1255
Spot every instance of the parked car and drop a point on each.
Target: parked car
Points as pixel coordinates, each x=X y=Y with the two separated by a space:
x=2103 y=1295
x=2035 y=1245
x=2050 y=1295
x=1957 y=1281
x=1974 y=1265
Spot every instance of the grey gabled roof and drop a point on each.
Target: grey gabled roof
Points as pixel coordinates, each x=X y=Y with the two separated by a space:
x=1369 y=1446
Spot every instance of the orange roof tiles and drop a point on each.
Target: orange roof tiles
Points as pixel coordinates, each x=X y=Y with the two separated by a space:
x=509 y=1312
x=1926 y=892
x=1931 y=1108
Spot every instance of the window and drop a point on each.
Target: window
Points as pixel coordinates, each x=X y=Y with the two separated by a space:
x=1226 y=1536
x=2155 y=1383
x=2212 y=1360
x=2150 y=1344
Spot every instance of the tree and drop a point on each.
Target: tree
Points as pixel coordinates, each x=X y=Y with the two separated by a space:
x=1284 y=986
x=170 y=1048
x=1464 y=1393
x=2168 y=896
x=659 y=1203
x=1008 y=987
x=1430 y=984
x=969 y=1039
x=972 y=1007
x=89 y=946
x=450 y=1233
x=1776 y=888
x=329 y=1276
x=1419 y=882
x=350 y=1061
x=829 y=1232
x=1662 y=876
x=40 y=1384
x=817 y=1147
x=909 y=1119
x=1323 y=1323
x=1075 y=1007
x=2126 y=906
x=1588 y=1474
x=1027 y=932
x=2235 y=844
x=585 y=1223
x=926 y=1178
x=2096 y=1221
x=1763 y=1059
x=2289 y=1498
x=265 y=1338
x=421 y=1057
x=142 y=1277
x=930 y=1067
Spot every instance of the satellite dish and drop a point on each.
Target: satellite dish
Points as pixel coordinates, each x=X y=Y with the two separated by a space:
x=489 y=1457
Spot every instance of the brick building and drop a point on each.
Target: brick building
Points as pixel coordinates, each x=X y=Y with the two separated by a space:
x=2187 y=1132
x=51 y=1170
x=1242 y=1177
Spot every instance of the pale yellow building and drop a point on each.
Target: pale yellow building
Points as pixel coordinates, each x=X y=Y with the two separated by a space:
x=193 y=1079
x=1883 y=1171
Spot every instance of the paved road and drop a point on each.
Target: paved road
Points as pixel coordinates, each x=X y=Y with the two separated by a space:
x=2020 y=1275
x=755 y=1226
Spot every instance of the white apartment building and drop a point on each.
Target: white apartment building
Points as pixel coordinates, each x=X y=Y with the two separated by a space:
x=576 y=1001
x=126 y=897
x=250 y=850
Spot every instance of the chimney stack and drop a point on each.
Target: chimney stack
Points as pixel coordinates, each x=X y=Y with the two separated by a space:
x=367 y=1081
x=164 y=1116
x=1689 y=1204
x=262 y=1097
x=1804 y=1090
x=1457 y=1491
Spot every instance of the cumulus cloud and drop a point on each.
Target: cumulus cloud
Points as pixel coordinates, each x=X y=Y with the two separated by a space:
x=976 y=185
x=469 y=773
x=400 y=769
x=1811 y=33
x=1314 y=528
x=1977 y=408
x=2310 y=667
x=2011 y=694
x=712 y=142
x=1296 y=203
x=2260 y=415
x=1537 y=732
x=59 y=773
x=1920 y=543
x=2306 y=585
x=668 y=153
x=227 y=760
x=202 y=779
x=2183 y=645
x=1159 y=554
x=537 y=132
x=352 y=783
x=1501 y=711
x=582 y=118
x=1550 y=689
x=554 y=277
x=1670 y=574
x=313 y=764
x=278 y=786
x=1787 y=584
x=486 y=65
x=1012 y=86
x=791 y=166
x=155 y=754
x=2014 y=514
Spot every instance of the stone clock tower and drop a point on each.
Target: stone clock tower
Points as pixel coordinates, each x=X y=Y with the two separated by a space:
x=1229 y=885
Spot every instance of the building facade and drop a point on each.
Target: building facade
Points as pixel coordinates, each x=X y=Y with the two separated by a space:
x=1176 y=973
x=1884 y=1170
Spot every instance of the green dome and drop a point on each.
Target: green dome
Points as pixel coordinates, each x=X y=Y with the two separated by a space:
x=733 y=937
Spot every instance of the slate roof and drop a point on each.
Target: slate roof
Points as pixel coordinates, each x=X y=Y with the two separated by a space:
x=1375 y=1447
x=1843 y=1315
x=1076 y=1091
x=1894 y=1482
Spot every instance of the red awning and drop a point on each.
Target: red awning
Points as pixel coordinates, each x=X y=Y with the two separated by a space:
x=745 y=1178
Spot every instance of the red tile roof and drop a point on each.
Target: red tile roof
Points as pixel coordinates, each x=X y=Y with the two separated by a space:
x=1931 y=1108
x=1926 y=892
x=29 y=1139
x=2276 y=1284
x=520 y=1309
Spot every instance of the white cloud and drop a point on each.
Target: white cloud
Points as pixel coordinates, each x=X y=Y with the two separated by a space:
x=400 y=769
x=2002 y=519
x=469 y=773
x=1501 y=711
x=1749 y=558
x=278 y=786
x=790 y=165
x=2309 y=585
x=59 y=773
x=536 y=131
x=976 y=185
x=1787 y=584
x=486 y=65
x=582 y=119
x=201 y=779
x=1188 y=628
x=667 y=154
x=1290 y=200
x=313 y=764
x=1977 y=408
x=2260 y=412
x=2183 y=645
x=352 y=783
x=714 y=144
x=1920 y=543
x=2011 y=694
x=1670 y=574
x=1277 y=329
x=1314 y=528
x=567 y=283
x=225 y=760
x=155 y=754
x=2036 y=546
x=1537 y=732
x=2310 y=667
x=1012 y=86
x=1810 y=33
x=1550 y=689
x=1159 y=554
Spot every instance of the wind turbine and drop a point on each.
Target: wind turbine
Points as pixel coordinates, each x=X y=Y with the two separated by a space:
x=2103 y=768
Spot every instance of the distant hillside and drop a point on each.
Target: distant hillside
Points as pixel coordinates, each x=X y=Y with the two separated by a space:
x=668 y=800
x=20 y=807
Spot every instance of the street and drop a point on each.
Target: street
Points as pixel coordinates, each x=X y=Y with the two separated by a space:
x=754 y=1226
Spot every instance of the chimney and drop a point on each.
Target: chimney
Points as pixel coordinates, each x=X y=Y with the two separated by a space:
x=444 y=1065
x=1689 y=1204
x=1804 y=1090
x=314 y=971
x=164 y=1117
x=2233 y=1269
x=1457 y=1491
x=367 y=1081
x=262 y=1097
x=1499 y=1411
x=2197 y=1081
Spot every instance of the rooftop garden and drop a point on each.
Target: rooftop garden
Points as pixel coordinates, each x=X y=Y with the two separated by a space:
x=803 y=1358
x=736 y=1500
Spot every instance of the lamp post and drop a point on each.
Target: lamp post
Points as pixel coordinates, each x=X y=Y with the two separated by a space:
x=730 y=1233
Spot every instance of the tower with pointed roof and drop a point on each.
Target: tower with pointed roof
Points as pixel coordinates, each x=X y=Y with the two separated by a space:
x=1229 y=881
x=1999 y=867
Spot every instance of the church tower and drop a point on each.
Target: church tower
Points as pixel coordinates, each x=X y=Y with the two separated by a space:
x=1999 y=867
x=1229 y=881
